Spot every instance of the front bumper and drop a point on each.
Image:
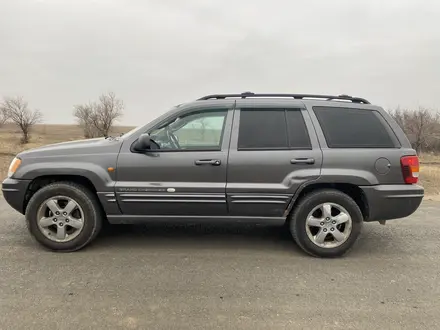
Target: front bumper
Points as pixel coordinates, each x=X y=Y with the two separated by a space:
x=14 y=192
x=386 y=202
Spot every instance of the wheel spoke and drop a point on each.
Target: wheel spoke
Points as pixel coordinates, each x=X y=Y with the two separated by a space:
x=327 y=210
x=61 y=232
x=314 y=222
x=71 y=205
x=320 y=237
x=53 y=206
x=75 y=223
x=46 y=222
x=58 y=212
x=338 y=235
x=341 y=218
x=318 y=225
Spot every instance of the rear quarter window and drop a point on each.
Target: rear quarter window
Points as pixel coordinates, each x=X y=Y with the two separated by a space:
x=354 y=128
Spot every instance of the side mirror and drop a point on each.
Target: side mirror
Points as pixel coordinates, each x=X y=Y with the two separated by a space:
x=143 y=143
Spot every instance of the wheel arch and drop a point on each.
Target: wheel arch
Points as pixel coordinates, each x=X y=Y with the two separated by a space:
x=349 y=189
x=43 y=180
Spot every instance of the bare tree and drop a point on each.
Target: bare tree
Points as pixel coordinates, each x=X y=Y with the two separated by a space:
x=3 y=116
x=97 y=119
x=398 y=116
x=17 y=110
x=422 y=126
x=108 y=110
x=84 y=114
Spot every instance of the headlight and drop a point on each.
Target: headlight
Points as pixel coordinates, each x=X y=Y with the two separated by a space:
x=14 y=166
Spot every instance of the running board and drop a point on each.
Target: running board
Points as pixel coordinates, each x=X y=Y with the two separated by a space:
x=139 y=219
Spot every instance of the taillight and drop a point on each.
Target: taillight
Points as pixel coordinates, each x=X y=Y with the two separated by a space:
x=410 y=168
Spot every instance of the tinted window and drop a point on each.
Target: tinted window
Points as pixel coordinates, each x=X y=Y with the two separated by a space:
x=262 y=129
x=202 y=130
x=272 y=129
x=353 y=128
x=298 y=135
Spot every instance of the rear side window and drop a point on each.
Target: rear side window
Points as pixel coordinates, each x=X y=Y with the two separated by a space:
x=354 y=128
x=272 y=129
x=297 y=130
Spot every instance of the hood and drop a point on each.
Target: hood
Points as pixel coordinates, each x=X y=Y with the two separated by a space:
x=77 y=147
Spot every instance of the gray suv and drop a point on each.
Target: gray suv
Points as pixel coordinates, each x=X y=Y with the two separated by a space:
x=320 y=164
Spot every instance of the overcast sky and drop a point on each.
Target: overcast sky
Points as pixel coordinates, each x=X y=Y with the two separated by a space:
x=155 y=54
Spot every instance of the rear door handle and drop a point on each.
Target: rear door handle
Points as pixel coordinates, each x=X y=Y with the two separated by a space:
x=308 y=161
x=213 y=162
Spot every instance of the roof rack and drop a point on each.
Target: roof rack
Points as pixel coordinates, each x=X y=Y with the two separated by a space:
x=244 y=95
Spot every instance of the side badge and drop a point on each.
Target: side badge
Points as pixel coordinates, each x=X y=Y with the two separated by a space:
x=171 y=190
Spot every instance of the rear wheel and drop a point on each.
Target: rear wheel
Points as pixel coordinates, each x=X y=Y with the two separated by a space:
x=326 y=223
x=64 y=216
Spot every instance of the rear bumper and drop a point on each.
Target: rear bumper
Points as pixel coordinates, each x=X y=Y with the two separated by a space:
x=14 y=192
x=386 y=202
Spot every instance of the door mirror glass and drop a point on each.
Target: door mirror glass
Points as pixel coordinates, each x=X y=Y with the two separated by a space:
x=143 y=143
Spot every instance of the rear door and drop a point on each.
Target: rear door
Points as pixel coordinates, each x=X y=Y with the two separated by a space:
x=273 y=151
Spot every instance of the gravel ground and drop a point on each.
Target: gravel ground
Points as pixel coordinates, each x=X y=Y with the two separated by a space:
x=225 y=277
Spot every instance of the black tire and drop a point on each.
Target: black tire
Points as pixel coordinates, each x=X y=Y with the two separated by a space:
x=93 y=215
x=307 y=204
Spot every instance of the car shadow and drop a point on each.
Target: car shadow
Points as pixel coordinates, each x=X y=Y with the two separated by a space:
x=373 y=240
x=197 y=236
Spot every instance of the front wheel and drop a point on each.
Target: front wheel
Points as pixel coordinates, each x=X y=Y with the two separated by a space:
x=326 y=223
x=64 y=216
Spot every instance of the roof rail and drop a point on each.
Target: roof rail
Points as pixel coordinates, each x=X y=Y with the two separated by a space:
x=244 y=95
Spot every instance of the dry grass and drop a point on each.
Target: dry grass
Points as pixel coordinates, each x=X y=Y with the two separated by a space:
x=430 y=178
x=4 y=164
x=430 y=174
x=430 y=158
x=41 y=135
x=47 y=134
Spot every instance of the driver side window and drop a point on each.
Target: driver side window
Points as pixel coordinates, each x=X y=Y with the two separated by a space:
x=201 y=130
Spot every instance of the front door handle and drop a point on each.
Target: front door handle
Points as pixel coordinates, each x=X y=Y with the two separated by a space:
x=308 y=161
x=213 y=162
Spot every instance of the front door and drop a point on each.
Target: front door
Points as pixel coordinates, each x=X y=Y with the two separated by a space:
x=272 y=154
x=184 y=173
